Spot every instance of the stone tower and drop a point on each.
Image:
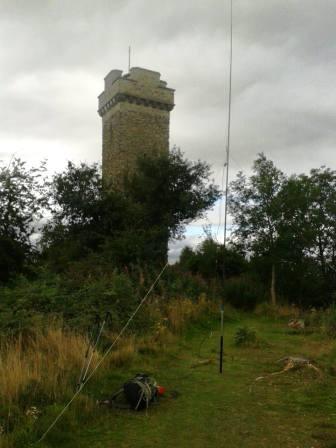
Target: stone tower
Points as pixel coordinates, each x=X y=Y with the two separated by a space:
x=135 y=109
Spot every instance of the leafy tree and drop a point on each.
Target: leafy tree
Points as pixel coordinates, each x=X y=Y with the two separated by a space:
x=84 y=215
x=308 y=234
x=255 y=205
x=22 y=198
x=290 y=225
x=22 y=202
x=75 y=195
x=323 y=218
x=210 y=259
x=129 y=226
x=172 y=191
x=294 y=228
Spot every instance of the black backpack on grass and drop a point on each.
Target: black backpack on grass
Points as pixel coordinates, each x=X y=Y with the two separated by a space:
x=139 y=392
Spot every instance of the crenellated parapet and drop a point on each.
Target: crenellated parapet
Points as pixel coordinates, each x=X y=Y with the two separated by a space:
x=139 y=86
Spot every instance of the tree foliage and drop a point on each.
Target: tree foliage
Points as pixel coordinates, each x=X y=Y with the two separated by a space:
x=172 y=191
x=129 y=226
x=211 y=260
x=256 y=207
x=286 y=225
x=322 y=212
x=23 y=200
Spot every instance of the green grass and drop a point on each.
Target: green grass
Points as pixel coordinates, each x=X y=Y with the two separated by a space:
x=296 y=409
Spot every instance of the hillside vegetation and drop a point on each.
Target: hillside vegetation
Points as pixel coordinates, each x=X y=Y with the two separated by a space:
x=73 y=250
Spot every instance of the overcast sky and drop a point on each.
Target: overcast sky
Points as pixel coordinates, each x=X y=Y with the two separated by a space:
x=55 y=54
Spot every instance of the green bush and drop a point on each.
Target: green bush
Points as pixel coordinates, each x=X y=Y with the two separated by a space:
x=245 y=336
x=29 y=305
x=177 y=283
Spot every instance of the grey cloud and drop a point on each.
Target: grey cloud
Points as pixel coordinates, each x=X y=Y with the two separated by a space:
x=306 y=28
x=86 y=33
x=49 y=104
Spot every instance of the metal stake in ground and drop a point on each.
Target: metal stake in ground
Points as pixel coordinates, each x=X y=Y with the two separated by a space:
x=221 y=340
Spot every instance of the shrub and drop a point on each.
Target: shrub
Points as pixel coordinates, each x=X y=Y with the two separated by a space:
x=30 y=304
x=178 y=283
x=245 y=336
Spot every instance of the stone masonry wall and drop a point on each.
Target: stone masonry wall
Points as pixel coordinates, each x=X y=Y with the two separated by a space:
x=135 y=112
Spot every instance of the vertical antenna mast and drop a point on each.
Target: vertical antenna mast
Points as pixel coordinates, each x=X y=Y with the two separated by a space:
x=129 y=58
x=226 y=193
x=228 y=134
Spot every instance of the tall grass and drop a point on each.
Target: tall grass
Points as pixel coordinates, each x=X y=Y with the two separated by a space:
x=180 y=312
x=44 y=364
x=41 y=368
x=124 y=352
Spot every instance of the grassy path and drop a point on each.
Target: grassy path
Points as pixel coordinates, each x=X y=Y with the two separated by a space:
x=296 y=410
